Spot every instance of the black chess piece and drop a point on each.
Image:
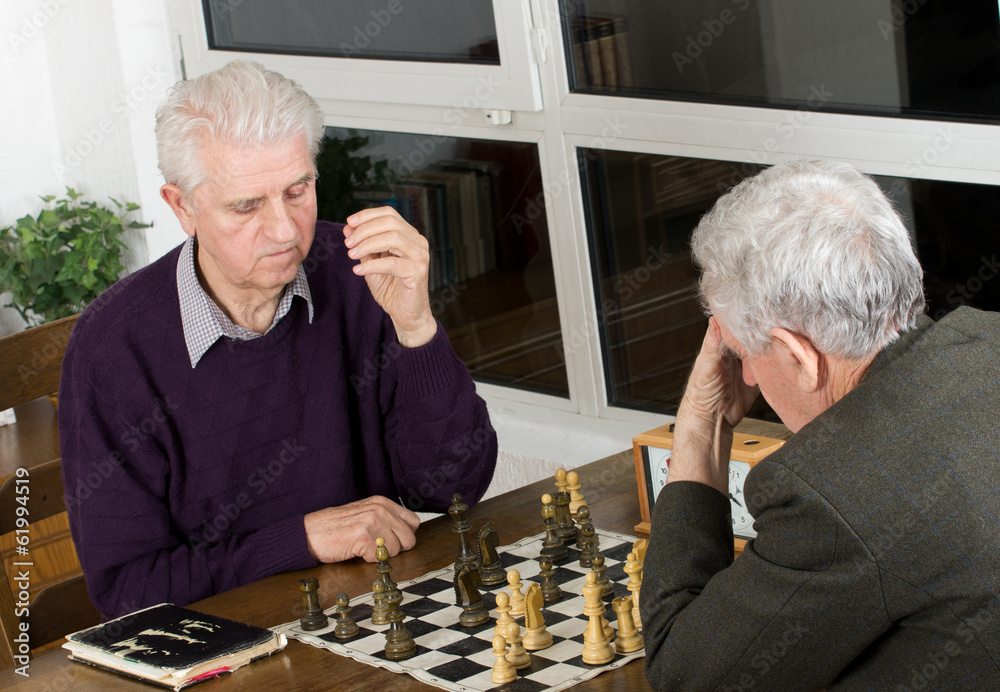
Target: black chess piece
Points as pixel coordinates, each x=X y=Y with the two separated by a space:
x=550 y=589
x=491 y=571
x=383 y=567
x=346 y=626
x=468 y=597
x=380 y=609
x=313 y=617
x=589 y=541
x=553 y=546
x=600 y=569
x=459 y=513
x=399 y=642
x=564 y=520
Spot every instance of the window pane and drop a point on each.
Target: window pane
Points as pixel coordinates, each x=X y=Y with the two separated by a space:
x=478 y=204
x=641 y=211
x=925 y=58
x=429 y=31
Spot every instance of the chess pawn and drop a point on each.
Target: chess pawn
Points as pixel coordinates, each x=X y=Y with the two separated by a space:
x=536 y=636
x=516 y=597
x=503 y=614
x=346 y=626
x=560 y=477
x=597 y=649
x=517 y=656
x=585 y=528
x=634 y=571
x=600 y=569
x=380 y=609
x=503 y=671
x=550 y=589
x=576 y=500
x=628 y=639
x=313 y=617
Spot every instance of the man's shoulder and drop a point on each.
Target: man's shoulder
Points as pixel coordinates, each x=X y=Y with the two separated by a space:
x=133 y=308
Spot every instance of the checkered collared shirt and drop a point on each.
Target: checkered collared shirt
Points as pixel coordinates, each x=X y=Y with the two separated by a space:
x=204 y=321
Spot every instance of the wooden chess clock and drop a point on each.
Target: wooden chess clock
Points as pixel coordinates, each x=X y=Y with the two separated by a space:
x=652 y=463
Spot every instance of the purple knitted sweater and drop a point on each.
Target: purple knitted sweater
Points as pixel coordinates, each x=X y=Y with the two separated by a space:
x=182 y=483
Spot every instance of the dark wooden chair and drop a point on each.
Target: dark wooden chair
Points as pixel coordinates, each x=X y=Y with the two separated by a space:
x=30 y=367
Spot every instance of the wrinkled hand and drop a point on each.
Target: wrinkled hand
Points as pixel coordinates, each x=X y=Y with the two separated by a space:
x=394 y=261
x=335 y=534
x=716 y=388
x=716 y=399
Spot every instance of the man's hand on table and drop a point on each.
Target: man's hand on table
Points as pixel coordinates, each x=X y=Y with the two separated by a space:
x=335 y=534
x=715 y=400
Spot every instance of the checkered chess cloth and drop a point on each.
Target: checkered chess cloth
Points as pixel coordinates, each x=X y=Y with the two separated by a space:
x=461 y=659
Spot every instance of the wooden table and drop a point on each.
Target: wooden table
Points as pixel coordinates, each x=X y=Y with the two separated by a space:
x=609 y=486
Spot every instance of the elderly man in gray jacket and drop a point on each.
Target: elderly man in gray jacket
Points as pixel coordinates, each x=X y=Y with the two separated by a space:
x=877 y=559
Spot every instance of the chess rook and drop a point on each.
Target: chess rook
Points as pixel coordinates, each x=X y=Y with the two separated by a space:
x=313 y=617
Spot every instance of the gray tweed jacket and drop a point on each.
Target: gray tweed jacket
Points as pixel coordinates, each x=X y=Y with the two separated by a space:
x=877 y=560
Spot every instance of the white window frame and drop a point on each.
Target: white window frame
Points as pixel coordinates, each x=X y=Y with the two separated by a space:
x=513 y=85
x=905 y=147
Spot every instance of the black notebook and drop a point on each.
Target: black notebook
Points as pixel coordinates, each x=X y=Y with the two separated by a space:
x=172 y=646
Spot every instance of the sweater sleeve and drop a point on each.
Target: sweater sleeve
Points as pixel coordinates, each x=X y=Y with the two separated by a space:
x=116 y=475
x=438 y=431
x=802 y=601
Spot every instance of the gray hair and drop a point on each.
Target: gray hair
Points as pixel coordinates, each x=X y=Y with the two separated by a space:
x=812 y=247
x=241 y=104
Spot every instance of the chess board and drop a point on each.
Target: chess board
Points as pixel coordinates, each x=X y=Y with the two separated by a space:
x=461 y=659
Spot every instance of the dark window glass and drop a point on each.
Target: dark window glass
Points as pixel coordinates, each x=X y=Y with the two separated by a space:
x=425 y=31
x=922 y=58
x=641 y=210
x=480 y=205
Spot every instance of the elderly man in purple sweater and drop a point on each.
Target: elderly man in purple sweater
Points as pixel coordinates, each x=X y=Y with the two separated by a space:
x=258 y=399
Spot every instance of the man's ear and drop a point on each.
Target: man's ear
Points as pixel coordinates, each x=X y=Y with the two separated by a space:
x=181 y=207
x=800 y=354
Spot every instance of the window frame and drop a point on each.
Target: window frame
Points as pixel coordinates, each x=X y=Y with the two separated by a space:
x=513 y=85
x=878 y=145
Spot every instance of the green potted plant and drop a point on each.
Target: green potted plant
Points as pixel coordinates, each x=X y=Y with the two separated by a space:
x=56 y=263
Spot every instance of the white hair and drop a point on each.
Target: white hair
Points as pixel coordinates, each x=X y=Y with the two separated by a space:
x=241 y=104
x=812 y=247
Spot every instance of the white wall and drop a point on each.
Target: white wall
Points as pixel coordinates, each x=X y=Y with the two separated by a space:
x=82 y=79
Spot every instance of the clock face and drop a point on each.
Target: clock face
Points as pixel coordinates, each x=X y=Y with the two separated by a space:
x=657 y=461
x=742 y=521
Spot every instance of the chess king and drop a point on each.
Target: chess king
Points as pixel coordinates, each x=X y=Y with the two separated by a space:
x=258 y=399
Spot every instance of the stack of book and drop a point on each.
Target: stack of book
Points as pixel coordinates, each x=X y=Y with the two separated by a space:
x=601 y=52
